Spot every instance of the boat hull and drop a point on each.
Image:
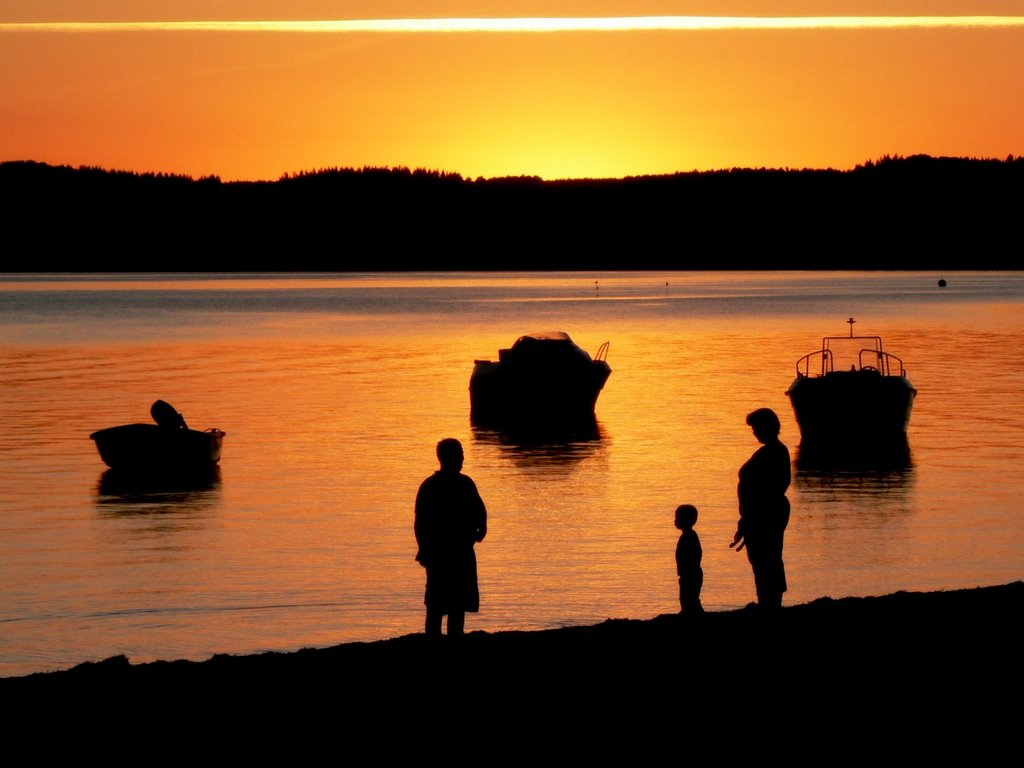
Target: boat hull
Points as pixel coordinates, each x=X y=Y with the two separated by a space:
x=543 y=381
x=153 y=450
x=852 y=408
x=501 y=393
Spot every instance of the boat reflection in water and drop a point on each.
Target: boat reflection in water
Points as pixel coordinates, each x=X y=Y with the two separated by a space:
x=892 y=455
x=556 y=444
x=116 y=485
x=879 y=482
x=875 y=472
x=119 y=492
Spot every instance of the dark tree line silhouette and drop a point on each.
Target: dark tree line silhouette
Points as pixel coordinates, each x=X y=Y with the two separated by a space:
x=916 y=212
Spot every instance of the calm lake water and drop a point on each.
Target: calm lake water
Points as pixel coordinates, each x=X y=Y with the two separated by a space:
x=334 y=389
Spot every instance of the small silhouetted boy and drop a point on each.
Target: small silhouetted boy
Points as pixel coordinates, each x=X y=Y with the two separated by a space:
x=688 y=557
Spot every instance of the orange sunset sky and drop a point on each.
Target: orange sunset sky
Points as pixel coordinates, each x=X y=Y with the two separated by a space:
x=614 y=88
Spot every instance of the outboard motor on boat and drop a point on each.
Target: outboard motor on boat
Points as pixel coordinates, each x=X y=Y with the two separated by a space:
x=166 y=416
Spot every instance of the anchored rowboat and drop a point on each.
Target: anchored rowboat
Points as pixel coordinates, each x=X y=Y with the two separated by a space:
x=168 y=446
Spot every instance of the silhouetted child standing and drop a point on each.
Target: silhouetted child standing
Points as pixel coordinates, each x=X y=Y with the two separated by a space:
x=688 y=557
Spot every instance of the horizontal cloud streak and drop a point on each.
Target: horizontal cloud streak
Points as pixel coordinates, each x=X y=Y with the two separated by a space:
x=536 y=24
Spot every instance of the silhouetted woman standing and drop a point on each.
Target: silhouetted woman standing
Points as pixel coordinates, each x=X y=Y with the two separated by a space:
x=764 y=508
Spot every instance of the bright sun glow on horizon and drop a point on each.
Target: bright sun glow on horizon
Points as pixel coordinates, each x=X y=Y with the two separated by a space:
x=571 y=95
x=537 y=24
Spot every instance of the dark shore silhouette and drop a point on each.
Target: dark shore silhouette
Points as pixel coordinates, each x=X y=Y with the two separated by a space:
x=916 y=212
x=952 y=650
x=910 y=677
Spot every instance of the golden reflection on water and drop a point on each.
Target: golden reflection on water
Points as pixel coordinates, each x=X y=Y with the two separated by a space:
x=331 y=420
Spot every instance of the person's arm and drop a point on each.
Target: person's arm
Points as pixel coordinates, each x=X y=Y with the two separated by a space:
x=420 y=527
x=737 y=539
x=481 y=528
x=481 y=514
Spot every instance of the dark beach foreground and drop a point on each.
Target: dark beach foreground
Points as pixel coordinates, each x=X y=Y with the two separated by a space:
x=932 y=669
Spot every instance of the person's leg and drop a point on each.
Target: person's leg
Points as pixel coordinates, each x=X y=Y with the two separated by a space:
x=456 y=623
x=776 y=572
x=698 y=585
x=433 y=624
x=757 y=566
x=769 y=596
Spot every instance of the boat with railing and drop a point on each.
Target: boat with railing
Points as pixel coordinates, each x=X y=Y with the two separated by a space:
x=851 y=393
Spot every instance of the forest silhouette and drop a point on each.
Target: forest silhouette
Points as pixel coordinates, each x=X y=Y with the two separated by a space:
x=917 y=212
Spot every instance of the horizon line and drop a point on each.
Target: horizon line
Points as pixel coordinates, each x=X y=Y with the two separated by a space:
x=535 y=24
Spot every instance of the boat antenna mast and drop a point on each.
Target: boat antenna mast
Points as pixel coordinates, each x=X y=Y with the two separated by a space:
x=851 y=321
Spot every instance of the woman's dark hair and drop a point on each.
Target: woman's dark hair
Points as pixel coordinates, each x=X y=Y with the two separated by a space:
x=764 y=421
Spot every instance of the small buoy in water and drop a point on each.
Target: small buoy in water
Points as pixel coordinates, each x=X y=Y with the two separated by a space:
x=942 y=282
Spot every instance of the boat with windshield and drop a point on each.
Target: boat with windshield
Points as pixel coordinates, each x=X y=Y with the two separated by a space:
x=543 y=379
